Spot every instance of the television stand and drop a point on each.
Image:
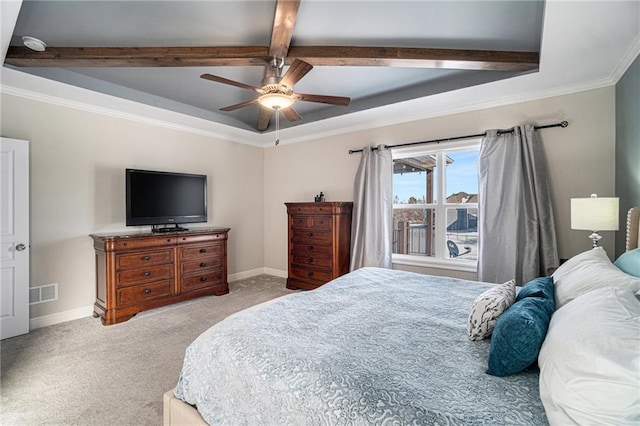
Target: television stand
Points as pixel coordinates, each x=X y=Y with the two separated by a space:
x=174 y=228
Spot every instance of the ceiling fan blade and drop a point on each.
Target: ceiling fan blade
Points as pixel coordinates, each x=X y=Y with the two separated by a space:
x=323 y=99
x=223 y=80
x=291 y=114
x=296 y=71
x=263 y=119
x=240 y=105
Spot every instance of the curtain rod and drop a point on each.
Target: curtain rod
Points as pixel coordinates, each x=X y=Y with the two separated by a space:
x=456 y=138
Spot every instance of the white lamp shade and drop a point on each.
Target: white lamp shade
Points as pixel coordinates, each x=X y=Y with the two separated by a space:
x=594 y=214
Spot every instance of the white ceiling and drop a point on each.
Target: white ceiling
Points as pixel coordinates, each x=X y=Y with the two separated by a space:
x=582 y=44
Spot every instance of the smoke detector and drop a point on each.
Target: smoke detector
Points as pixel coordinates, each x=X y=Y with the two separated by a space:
x=34 y=43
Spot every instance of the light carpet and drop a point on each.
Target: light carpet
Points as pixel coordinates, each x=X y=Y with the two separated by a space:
x=83 y=373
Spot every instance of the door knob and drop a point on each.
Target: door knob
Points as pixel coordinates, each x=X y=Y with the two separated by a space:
x=20 y=247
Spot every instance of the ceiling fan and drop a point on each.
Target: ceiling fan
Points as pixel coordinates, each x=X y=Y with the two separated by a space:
x=276 y=93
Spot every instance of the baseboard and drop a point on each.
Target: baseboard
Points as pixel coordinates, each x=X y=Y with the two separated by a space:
x=87 y=311
x=253 y=272
x=60 y=317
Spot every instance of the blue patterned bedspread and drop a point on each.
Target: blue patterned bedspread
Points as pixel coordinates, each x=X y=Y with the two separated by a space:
x=376 y=346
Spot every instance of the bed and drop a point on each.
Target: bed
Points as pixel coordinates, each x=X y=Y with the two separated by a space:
x=375 y=346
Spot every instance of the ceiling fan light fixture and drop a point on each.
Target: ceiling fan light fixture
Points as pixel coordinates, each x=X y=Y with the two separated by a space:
x=275 y=101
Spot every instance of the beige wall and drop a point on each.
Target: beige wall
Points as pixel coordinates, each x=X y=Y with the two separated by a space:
x=580 y=159
x=77 y=162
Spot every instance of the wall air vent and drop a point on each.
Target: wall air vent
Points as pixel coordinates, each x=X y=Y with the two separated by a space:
x=43 y=293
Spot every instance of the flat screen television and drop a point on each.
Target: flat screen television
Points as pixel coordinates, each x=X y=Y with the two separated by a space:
x=164 y=198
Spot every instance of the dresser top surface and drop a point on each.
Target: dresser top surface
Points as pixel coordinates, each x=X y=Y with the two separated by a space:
x=148 y=233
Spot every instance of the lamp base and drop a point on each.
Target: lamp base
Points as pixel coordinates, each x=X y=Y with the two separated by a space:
x=595 y=237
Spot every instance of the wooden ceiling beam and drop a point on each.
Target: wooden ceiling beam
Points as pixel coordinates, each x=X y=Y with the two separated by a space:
x=68 y=57
x=412 y=57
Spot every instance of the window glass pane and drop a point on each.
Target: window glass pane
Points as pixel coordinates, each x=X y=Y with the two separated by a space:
x=414 y=179
x=462 y=177
x=462 y=233
x=414 y=231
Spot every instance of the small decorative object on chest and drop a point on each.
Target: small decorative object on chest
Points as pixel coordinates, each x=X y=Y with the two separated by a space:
x=319 y=242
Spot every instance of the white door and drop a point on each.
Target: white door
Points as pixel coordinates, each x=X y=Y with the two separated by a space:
x=14 y=237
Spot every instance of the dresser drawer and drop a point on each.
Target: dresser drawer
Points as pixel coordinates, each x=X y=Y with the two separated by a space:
x=192 y=282
x=190 y=239
x=140 y=243
x=311 y=209
x=199 y=252
x=319 y=223
x=310 y=273
x=311 y=249
x=139 y=293
x=143 y=275
x=201 y=265
x=138 y=260
x=308 y=236
x=322 y=261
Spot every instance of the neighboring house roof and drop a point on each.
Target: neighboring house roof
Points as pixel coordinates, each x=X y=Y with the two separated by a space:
x=462 y=197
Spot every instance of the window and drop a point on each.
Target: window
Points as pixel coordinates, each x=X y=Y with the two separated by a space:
x=435 y=206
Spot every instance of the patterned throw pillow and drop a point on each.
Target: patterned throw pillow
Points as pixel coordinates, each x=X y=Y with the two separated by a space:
x=487 y=308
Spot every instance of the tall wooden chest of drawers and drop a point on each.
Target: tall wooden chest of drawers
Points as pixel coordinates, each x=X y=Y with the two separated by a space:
x=143 y=270
x=319 y=243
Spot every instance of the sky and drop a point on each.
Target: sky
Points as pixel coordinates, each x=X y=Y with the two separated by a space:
x=462 y=175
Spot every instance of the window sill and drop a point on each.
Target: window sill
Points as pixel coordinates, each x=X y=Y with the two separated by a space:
x=455 y=265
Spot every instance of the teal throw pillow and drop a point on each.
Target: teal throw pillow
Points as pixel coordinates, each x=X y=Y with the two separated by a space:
x=539 y=287
x=629 y=262
x=521 y=329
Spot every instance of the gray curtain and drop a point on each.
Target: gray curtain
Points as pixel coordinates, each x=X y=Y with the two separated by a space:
x=517 y=238
x=372 y=223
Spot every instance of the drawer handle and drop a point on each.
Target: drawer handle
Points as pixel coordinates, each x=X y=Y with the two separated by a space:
x=146 y=273
x=203 y=279
x=168 y=240
x=309 y=247
x=309 y=274
x=203 y=250
x=309 y=234
x=310 y=260
x=124 y=244
x=147 y=290
x=202 y=265
x=146 y=257
x=322 y=221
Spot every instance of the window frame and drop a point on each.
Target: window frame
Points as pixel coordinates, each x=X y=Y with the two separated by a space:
x=440 y=260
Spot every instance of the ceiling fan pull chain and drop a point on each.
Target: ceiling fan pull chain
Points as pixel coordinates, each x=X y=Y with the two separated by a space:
x=277 y=125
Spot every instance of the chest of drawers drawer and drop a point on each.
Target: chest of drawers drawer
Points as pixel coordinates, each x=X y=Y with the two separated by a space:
x=144 y=259
x=318 y=223
x=320 y=261
x=311 y=237
x=204 y=264
x=203 y=279
x=143 y=275
x=310 y=273
x=201 y=251
x=139 y=293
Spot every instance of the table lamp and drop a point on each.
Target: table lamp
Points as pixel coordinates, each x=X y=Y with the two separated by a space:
x=594 y=214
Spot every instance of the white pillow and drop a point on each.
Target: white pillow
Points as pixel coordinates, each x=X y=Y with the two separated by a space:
x=588 y=271
x=590 y=361
x=487 y=307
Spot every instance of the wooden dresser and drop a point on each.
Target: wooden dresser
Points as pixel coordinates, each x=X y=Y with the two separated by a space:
x=319 y=243
x=142 y=270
